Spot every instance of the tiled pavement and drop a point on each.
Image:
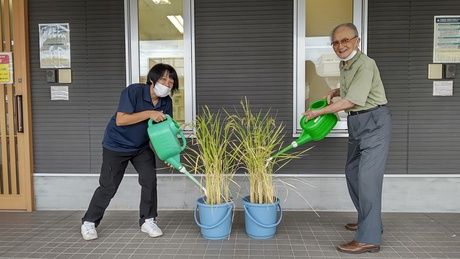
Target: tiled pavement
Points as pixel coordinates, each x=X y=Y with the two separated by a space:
x=56 y=234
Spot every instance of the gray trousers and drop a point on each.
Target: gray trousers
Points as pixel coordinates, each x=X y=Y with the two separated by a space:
x=368 y=144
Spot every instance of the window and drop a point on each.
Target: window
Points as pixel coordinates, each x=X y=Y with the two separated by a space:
x=316 y=65
x=160 y=31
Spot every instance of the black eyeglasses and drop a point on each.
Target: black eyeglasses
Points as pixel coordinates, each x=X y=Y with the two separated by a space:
x=336 y=43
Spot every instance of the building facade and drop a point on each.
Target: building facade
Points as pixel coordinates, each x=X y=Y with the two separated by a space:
x=230 y=50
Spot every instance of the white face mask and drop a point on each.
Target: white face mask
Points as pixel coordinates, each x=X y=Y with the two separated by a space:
x=352 y=54
x=161 y=90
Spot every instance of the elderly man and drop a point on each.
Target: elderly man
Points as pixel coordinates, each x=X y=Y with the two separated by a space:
x=369 y=126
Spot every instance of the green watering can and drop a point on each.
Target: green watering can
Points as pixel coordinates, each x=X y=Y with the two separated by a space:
x=313 y=130
x=163 y=137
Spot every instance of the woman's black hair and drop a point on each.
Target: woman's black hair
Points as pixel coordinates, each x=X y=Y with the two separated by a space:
x=157 y=71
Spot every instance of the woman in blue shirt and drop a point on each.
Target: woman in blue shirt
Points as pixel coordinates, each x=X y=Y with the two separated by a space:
x=126 y=140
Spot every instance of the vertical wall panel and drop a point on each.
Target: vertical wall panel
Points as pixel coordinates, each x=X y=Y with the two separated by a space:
x=434 y=127
x=425 y=133
x=60 y=128
x=105 y=69
x=68 y=134
x=244 y=48
x=388 y=45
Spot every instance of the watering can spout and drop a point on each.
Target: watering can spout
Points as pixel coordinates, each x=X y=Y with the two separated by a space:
x=175 y=162
x=163 y=137
x=184 y=171
x=312 y=130
x=304 y=138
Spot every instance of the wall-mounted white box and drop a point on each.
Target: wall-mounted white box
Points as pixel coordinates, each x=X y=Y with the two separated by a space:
x=434 y=71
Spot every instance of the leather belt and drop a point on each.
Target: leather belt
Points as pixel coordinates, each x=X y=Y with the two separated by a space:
x=351 y=113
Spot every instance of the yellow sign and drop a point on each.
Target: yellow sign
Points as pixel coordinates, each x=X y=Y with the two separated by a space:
x=6 y=68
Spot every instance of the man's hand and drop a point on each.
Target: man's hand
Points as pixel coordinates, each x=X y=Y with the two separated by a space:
x=311 y=114
x=157 y=116
x=331 y=94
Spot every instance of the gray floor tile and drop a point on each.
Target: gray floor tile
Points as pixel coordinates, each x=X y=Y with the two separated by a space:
x=45 y=234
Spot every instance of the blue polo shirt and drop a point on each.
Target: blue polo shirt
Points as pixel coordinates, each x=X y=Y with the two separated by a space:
x=131 y=138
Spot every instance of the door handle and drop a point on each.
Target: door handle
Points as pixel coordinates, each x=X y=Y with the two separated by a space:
x=19 y=114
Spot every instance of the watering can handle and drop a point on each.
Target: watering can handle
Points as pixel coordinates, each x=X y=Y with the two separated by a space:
x=150 y=122
x=184 y=142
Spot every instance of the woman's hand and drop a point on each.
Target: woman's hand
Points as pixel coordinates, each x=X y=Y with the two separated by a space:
x=157 y=116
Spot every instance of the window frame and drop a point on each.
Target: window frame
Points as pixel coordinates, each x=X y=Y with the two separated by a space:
x=360 y=13
x=132 y=55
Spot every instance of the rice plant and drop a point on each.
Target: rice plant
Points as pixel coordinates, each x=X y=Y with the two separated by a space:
x=258 y=136
x=213 y=155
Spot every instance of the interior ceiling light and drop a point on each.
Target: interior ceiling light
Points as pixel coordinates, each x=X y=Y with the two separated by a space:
x=177 y=21
x=161 y=1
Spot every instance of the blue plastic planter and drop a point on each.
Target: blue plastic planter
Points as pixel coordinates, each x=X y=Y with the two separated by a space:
x=261 y=220
x=215 y=220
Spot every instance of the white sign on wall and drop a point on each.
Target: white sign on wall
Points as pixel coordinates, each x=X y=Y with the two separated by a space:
x=59 y=93
x=443 y=88
x=54 y=46
x=446 y=44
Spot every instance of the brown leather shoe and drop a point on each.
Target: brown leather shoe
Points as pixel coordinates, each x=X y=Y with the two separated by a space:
x=352 y=226
x=354 y=247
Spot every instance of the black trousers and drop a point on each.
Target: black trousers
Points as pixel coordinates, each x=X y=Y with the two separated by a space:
x=113 y=169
